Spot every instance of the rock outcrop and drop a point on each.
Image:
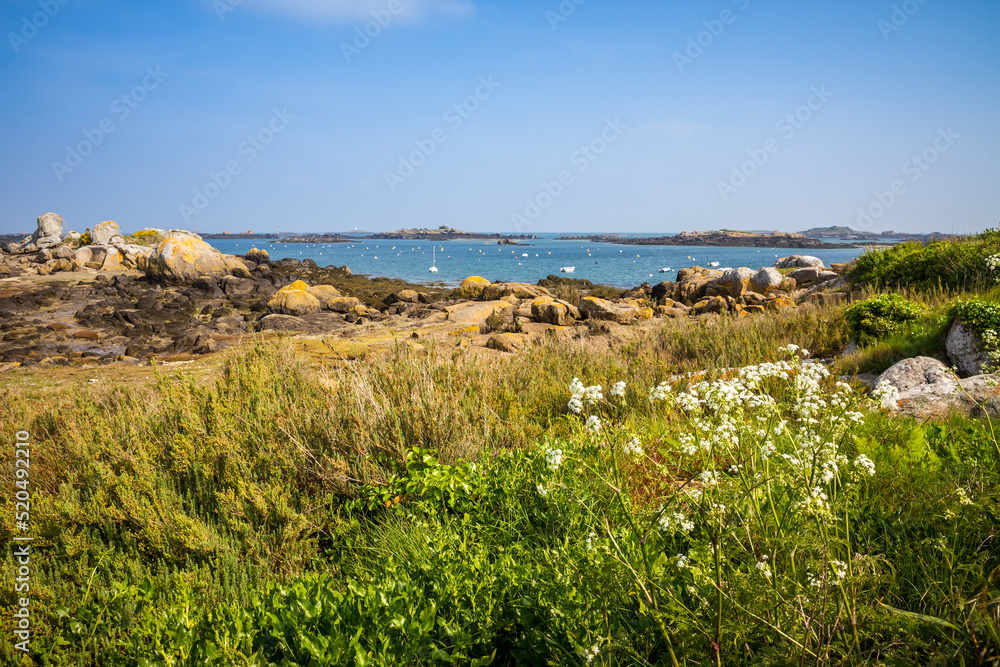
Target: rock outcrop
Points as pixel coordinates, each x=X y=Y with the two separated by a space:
x=181 y=258
x=106 y=233
x=799 y=262
x=965 y=350
x=294 y=300
x=48 y=234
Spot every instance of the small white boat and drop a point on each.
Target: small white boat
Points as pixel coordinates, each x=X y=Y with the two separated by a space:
x=567 y=269
x=665 y=270
x=713 y=264
x=434 y=268
x=524 y=254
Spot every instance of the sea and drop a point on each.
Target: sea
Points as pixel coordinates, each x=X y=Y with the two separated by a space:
x=603 y=263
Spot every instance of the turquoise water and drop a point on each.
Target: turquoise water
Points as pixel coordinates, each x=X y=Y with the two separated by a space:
x=622 y=266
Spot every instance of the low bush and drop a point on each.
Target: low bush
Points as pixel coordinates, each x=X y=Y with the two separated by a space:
x=880 y=316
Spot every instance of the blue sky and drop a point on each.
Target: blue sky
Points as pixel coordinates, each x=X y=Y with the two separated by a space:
x=233 y=115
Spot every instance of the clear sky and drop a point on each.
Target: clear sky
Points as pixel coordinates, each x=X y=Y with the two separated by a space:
x=509 y=116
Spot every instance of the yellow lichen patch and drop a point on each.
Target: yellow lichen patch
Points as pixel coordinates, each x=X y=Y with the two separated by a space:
x=474 y=329
x=472 y=287
x=294 y=299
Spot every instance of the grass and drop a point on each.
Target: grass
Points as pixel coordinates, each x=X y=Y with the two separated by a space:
x=404 y=508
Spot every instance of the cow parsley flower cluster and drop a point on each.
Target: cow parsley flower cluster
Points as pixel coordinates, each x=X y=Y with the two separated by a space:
x=660 y=392
x=887 y=393
x=992 y=262
x=554 y=458
x=865 y=464
x=581 y=395
x=593 y=424
x=633 y=447
x=617 y=390
x=675 y=521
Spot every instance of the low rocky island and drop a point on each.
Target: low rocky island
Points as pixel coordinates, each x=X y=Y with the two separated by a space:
x=723 y=238
x=445 y=233
x=313 y=238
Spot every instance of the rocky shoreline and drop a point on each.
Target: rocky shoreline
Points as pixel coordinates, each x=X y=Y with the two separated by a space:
x=72 y=304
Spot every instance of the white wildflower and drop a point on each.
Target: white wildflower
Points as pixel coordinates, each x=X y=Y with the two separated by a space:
x=633 y=448
x=576 y=387
x=554 y=458
x=683 y=561
x=660 y=392
x=593 y=394
x=839 y=569
x=865 y=464
x=709 y=477
x=593 y=424
x=963 y=497
x=618 y=390
x=887 y=393
x=592 y=653
x=575 y=405
x=763 y=567
x=590 y=541
x=542 y=491
x=670 y=523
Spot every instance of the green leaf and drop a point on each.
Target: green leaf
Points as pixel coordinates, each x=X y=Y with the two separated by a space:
x=922 y=617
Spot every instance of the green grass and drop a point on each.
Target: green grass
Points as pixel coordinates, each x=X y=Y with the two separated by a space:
x=387 y=511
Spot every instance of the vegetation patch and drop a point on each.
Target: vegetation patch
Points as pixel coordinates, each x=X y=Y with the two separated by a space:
x=954 y=264
x=880 y=316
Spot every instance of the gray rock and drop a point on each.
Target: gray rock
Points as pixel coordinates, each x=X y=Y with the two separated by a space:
x=733 y=282
x=965 y=350
x=917 y=372
x=48 y=234
x=106 y=233
x=799 y=262
x=827 y=276
x=766 y=280
x=805 y=275
x=283 y=323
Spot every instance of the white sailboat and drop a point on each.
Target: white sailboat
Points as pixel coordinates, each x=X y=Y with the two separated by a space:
x=434 y=268
x=568 y=269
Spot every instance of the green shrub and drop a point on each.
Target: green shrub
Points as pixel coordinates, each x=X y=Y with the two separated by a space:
x=879 y=317
x=953 y=264
x=980 y=316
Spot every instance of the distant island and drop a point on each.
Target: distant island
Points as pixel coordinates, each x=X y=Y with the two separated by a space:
x=445 y=233
x=241 y=235
x=313 y=238
x=723 y=238
x=850 y=234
